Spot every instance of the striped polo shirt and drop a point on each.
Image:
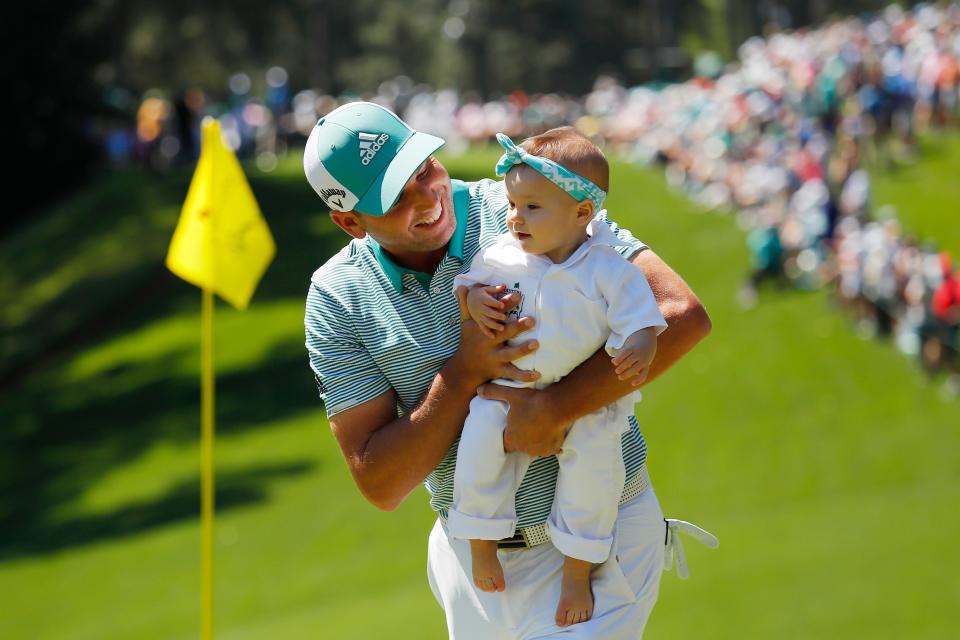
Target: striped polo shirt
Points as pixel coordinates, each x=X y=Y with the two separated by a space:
x=372 y=325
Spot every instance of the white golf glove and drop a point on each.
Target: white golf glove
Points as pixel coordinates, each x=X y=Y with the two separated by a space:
x=674 y=551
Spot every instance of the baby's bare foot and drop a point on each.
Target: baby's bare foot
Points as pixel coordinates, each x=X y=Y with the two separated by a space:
x=487 y=572
x=576 y=597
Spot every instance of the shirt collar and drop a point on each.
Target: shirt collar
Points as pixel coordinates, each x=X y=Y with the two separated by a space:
x=598 y=232
x=394 y=272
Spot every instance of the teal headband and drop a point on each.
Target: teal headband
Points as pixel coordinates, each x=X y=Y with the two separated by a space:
x=578 y=187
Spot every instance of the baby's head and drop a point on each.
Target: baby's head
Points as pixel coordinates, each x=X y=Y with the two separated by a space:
x=550 y=206
x=572 y=150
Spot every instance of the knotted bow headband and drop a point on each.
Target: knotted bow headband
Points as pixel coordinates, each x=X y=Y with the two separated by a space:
x=577 y=186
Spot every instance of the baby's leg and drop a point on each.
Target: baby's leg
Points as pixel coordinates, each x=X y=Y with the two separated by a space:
x=584 y=512
x=487 y=571
x=576 y=597
x=484 y=484
x=485 y=479
x=589 y=486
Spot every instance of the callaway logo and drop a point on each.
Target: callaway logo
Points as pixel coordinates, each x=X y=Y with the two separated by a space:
x=327 y=195
x=370 y=143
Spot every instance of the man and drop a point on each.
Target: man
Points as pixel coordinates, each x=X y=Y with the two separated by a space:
x=397 y=363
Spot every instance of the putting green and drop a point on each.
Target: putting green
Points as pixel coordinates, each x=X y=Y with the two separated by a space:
x=825 y=463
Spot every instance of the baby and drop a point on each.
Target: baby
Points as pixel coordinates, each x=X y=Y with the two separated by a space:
x=562 y=262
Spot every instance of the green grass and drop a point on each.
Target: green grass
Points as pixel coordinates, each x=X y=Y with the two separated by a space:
x=926 y=194
x=826 y=464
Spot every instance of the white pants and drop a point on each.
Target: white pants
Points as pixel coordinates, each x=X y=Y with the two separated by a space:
x=589 y=483
x=625 y=587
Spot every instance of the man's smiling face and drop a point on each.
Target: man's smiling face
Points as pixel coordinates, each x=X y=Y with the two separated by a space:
x=422 y=220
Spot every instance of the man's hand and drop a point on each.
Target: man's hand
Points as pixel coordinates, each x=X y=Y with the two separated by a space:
x=532 y=426
x=480 y=358
x=486 y=308
x=633 y=360
x=390 y=455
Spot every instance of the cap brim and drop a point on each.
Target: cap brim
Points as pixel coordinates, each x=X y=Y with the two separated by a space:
x=385 y=190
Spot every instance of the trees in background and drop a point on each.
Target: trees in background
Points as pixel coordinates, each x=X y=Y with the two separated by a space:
x=83 y=58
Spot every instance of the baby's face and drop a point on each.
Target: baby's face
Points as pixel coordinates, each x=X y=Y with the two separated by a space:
x=544 y=218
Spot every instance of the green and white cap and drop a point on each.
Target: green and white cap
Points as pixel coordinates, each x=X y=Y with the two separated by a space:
x=360 y=156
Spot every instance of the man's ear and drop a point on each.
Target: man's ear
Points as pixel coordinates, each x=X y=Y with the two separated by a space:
x=585 y=211
x=349 y=222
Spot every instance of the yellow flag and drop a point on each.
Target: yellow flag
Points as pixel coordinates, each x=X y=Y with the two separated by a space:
x=221 y=242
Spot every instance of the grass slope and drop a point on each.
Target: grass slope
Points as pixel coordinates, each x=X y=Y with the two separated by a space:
x=826 y=464
x=926 y=194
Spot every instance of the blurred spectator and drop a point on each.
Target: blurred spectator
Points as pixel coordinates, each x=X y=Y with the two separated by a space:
x=945 y=304
x=766 y=258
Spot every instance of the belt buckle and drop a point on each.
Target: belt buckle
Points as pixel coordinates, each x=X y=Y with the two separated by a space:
x=517 y=541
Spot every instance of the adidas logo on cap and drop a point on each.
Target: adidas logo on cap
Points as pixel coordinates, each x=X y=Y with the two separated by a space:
x=370 y=143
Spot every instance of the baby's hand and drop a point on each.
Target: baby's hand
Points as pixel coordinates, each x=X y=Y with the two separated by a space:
x=636 y=355
x=486 y=309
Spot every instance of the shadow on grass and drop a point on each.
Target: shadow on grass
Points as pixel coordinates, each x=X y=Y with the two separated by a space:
x=83 y=311
x=70 y=266
x=60 y=439
x=182 y=502
x=95 y=303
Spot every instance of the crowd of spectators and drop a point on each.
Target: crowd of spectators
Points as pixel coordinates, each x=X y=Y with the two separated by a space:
x=782 y=138
x=160 y=131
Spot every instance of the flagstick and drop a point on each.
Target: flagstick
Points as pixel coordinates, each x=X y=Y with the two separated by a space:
x=206 y=456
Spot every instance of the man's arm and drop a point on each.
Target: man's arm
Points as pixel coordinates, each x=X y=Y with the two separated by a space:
x=686 y=318
x=537 y=421
x=390 y=456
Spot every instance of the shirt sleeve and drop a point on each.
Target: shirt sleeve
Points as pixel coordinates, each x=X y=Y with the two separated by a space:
x=345 y=371
x=630 y=303
x=632 y=246
x=479 y=273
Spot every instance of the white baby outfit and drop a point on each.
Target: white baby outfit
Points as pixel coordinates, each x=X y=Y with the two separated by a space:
x=594 y=299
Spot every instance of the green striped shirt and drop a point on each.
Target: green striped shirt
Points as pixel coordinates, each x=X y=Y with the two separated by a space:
x=372 y=326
